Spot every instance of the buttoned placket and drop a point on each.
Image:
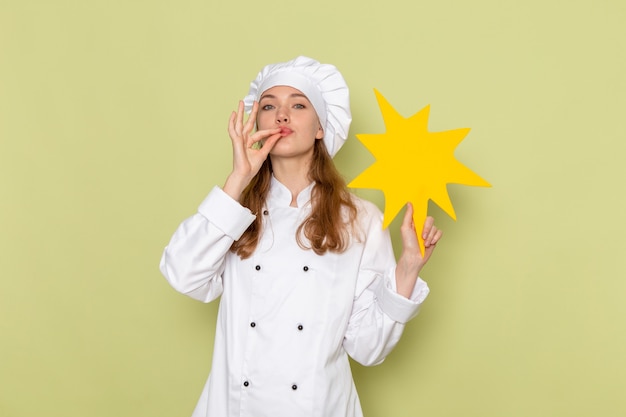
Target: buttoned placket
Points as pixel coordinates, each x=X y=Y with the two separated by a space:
x=253 y=326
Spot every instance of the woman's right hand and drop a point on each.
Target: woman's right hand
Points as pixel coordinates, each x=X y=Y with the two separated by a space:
x=247 y=157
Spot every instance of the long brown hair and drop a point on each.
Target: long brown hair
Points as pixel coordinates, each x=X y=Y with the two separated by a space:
x=333 y=212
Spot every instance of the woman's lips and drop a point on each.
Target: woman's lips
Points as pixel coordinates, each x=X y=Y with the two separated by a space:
x=285 y=131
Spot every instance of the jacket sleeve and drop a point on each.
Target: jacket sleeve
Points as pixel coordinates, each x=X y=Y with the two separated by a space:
x=193 y=261
x=379 y=313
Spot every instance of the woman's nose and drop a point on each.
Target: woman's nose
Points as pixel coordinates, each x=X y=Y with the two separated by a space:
x=282 y=117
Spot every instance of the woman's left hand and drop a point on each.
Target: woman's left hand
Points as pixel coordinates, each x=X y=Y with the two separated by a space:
x=411 y=260
x=430 y=234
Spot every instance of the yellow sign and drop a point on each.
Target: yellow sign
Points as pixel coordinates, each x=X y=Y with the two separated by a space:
x=413 y=165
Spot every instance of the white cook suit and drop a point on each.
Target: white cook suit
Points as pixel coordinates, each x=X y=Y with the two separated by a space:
x=288 y=318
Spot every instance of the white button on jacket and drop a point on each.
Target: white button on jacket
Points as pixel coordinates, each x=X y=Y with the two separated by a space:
x=288 y=318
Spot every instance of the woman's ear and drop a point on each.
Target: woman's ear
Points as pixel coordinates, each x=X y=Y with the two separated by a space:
x=320 y=133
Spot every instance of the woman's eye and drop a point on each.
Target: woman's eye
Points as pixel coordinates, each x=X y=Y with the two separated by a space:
x=299 y=106
x=267 y=107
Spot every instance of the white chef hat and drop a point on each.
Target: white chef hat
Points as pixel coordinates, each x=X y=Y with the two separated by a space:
x=324 y=87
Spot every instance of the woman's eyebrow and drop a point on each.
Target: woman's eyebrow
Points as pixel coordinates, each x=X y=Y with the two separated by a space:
x=294 y=95
x=267 y=96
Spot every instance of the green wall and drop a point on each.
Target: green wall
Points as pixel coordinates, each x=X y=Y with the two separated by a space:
x=113 y=128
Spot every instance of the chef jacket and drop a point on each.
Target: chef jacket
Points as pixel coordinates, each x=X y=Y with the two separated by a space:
x=288 y=318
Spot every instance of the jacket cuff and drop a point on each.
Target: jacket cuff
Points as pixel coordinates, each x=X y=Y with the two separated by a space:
x=225 y=213
x=397 y=307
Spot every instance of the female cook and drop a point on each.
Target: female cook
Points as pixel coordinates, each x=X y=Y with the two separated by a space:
x=305 y=271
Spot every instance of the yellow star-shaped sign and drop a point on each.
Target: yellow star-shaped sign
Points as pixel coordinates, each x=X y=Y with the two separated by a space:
x=413 y=165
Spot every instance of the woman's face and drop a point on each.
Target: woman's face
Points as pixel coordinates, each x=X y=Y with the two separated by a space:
x=287 y=108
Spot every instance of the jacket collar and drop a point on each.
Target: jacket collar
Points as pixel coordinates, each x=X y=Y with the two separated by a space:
x=280 y=196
